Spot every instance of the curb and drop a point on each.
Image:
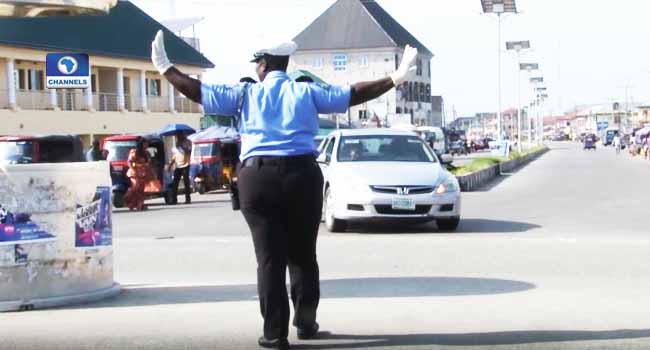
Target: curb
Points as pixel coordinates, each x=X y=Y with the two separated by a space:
x=46 y=303
x=474 y=181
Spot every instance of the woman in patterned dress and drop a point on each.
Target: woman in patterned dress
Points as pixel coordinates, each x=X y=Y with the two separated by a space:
x=139 y=173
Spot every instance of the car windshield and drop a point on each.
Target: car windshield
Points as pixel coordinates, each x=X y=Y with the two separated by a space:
x=118 y=150
x=384 y=148
x=205 y=150
x=16 y=152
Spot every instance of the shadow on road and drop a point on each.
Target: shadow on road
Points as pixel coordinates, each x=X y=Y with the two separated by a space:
x=494 y=226
x=466 y=226
x=139 y=295
x=345 y=341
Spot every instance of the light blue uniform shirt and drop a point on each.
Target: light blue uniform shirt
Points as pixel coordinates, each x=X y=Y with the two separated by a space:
x=279 y=117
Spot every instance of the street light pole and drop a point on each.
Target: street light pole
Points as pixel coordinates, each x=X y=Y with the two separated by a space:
x=518 y=46
x=499 y=7
x=499 y=128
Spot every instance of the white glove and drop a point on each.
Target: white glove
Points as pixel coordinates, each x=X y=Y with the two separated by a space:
x=406 y=67
x=158 y=54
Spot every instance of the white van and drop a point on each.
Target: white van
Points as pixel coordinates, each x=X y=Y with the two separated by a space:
x=430 y=132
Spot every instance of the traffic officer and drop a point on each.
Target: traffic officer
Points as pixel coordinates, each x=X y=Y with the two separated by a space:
x=280 y=183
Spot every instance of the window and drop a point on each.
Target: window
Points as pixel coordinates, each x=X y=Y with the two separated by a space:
x=19 y=79
x=380 y=148
x=93 y=83
x=396 y=61
x=418 y=72
x=318 y=62
x=329 y=149
x=429 y=69
x=363 y=115
x=363 y=61
x=35 y=80
x=340 y=63
x=153 y=87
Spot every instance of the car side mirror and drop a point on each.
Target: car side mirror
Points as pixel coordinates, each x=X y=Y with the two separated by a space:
x=446 y=159
x=322 y=158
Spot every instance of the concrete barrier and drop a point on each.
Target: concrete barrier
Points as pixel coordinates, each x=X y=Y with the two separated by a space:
x=476 y=180
x=55 y=235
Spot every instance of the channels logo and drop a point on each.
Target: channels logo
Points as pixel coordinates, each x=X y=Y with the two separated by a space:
x=67 y=71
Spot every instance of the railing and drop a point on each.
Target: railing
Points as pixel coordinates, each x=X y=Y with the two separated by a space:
x=106 y=102
x=185 y=105
x=71 y=100
x=158 y=103
x=194 y=42
x=37 y=99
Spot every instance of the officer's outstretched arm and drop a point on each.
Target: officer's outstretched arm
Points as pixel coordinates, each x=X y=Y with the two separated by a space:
x=370 y=90
x=188 y=86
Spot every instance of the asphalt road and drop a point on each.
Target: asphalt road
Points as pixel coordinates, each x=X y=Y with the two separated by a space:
x=554 y=256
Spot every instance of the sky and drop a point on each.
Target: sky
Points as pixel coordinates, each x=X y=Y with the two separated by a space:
x=589 y=51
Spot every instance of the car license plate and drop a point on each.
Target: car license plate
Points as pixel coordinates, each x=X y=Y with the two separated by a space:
x=118 y=168
x=403 y=204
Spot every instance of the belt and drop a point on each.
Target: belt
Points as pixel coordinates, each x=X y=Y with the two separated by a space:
x=257 y=161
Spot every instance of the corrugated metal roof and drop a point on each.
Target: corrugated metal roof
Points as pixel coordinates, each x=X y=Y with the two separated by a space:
x=126 y=32
x=356 y=24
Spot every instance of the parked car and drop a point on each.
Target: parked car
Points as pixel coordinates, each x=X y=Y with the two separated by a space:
x=41 y=149
x=380 y=174
x=458 y=147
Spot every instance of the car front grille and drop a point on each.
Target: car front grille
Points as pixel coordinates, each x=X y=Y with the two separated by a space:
x=388 y=210
x=402 y=190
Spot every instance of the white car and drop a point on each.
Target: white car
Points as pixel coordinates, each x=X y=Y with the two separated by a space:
x=384 y=174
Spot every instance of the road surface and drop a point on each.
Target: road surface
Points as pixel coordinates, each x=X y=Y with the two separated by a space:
x=554 y=256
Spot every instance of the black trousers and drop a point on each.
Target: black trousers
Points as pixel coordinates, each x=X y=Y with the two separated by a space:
x=281 y=200
x=185 y=173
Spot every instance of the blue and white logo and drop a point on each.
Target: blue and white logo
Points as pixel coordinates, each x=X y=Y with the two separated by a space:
x=67 y=71
x=68 y=65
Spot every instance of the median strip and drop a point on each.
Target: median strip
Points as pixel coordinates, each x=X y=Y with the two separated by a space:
x=482 y=170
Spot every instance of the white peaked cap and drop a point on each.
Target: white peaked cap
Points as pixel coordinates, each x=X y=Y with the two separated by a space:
x=279 y=49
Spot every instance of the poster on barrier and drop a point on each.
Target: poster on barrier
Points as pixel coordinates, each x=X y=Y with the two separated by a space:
x=93 y=227
x=19 y=228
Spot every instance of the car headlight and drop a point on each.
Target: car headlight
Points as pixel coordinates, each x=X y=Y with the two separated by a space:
x=447 y=186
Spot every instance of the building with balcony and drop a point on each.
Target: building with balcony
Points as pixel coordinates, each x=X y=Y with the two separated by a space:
x=127 y=95
x=357 y=40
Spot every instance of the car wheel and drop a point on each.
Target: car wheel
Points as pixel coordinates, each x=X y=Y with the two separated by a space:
x=118 y=199
x=333 y=224
x=448 y=224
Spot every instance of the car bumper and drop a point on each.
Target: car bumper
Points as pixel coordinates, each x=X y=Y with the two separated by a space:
x=378 y=207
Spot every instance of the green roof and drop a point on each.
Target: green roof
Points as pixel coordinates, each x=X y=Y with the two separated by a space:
x=126 y=32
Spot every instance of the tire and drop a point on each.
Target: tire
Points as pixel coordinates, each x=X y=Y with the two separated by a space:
x=118 y=199
x=331 y=223
x=448 y=225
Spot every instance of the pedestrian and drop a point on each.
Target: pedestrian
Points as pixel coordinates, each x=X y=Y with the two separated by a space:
x=181 y=164
x=94 y=154
x=280 y=183
x=617 y=144
x=139 y=173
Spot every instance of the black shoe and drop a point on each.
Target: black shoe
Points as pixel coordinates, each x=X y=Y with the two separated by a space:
x=308 y=332
x=279 y=343
x=188 y=201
